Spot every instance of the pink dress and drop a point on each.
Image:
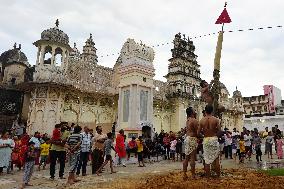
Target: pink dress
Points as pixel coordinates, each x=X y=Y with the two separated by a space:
x=279 y=148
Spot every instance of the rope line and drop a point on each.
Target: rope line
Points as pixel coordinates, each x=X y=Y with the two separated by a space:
x=200 y=36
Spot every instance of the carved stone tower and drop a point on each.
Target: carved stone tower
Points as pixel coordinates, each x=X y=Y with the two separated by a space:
x=136 y=72
x=89 y=51
x=183 y=79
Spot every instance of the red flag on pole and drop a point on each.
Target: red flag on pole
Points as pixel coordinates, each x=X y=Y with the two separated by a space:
x=223 y=18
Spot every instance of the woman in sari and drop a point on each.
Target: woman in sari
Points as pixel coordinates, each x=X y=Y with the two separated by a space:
x=16 y=153
x=6 y=146
x=120 y=147
x=24 y=147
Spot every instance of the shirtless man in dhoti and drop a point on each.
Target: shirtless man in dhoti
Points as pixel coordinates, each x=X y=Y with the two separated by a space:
x=210 y=127
x=190 y=142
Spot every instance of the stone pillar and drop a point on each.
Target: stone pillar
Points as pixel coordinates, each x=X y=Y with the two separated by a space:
x=53 y=56
x=38 y=55
x=150 y=106
x=63 y=59
x=119 y=109
x=132 y=109
x=42 y=55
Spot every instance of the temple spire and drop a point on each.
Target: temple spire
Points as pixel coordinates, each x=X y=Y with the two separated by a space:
x=57 y=23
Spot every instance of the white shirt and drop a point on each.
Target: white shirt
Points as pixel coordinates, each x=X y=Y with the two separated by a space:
x=235 y=134
x=36 y=141
x=228 y=140
x=86 y=142
x=247 y=139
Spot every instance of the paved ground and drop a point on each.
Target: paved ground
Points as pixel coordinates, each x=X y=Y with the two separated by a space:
x=40 y=179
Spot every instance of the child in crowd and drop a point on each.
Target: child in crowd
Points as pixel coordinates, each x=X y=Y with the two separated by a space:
x=279 y=144
x=242 y=150
x=173 y=149
x=179 y=148
x=108 y=146
x=56 y=134
x=44 y=152
x=29 y=158
x=139 y=143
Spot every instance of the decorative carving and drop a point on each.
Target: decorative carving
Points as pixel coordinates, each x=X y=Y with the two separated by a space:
x=69 y=98
x=40 y=103
x=183 y=48
x=53 y=105
x=41 y=92
x=133 y=52
x=88 y=100
x=54 y=92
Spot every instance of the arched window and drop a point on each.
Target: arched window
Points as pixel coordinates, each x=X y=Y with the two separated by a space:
x=58 y=56
x=47 y=55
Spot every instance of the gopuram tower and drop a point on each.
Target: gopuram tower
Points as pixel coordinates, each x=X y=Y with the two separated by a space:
x=183 y=80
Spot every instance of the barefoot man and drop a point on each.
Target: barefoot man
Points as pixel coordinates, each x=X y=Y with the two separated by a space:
x=210 y=127
x=190 y=143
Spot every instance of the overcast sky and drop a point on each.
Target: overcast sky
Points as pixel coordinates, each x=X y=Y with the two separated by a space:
x=249 y=59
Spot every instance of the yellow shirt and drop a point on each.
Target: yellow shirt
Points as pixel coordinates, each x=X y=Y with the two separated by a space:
x=242 y=146
x=44 y=149
x=264 y=134
x=139 y=146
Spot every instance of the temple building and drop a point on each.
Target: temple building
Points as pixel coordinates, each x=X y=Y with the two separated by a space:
x=66 y=85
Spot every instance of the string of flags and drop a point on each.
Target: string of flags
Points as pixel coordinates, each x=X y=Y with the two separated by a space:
x=205 y=35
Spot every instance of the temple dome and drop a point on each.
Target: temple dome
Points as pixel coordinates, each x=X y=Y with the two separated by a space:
x=55 y=35
x=237 y=93
x=14 y=55
x=75 y=52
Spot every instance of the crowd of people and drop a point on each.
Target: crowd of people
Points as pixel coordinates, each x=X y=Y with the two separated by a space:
x=200 y=140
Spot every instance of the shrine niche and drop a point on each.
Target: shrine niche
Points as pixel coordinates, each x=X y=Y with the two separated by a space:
x=70 y=98
x=41 y=92
x=89 y=100
x=54 y=92
x=38 y=124
x=51 y=121
x=70 y=116
x=88 y=117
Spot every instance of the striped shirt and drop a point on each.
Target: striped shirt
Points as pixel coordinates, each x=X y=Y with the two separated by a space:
x=73 y=140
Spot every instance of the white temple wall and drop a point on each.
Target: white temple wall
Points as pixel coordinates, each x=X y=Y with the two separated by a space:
x=52 y=105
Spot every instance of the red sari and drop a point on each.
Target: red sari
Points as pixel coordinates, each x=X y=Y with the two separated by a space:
x=16 y=154
x=24 y=147
x=120 y=146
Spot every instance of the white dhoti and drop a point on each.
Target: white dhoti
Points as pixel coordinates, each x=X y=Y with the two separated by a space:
x=210 y=149
x=190 y=144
